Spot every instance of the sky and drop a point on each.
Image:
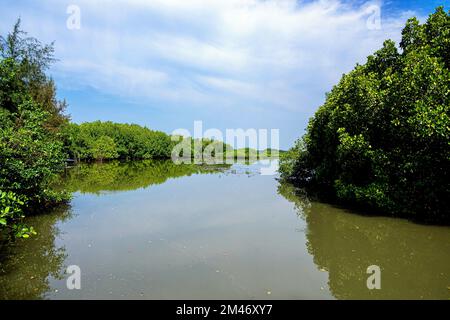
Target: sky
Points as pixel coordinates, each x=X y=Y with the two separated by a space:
x=261 y=64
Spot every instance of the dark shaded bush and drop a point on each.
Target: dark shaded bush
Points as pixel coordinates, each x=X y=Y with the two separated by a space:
x=382 y=138
x=30 y=118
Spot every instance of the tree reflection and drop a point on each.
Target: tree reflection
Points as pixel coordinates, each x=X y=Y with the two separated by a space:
x=414 y=259
x=27 y=264
x=123 y=176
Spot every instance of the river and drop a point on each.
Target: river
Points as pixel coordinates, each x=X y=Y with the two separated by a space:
x=156 y=230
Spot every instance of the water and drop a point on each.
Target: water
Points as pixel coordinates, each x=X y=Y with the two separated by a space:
x=155 y=230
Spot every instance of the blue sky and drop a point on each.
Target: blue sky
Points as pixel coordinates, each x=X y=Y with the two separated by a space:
x=231 y=63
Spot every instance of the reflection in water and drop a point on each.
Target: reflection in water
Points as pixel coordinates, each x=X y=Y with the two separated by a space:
x=123 y=176
x=414 y=259
x=26 y=265
x=216 y=236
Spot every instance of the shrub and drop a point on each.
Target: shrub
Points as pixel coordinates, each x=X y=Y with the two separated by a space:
x=11 y=215
x=30 y=116
x=382 y=138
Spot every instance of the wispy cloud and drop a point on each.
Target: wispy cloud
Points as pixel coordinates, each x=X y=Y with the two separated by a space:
x=276 y=55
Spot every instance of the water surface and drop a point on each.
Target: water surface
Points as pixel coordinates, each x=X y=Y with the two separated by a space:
x=156 y=230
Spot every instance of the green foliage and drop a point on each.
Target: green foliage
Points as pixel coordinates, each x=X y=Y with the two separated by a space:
x=107 y=140
x=23 y=62
x=104 y=148
x=293 y=163
x=250 y=154
x=382 y=138
x=11 y=213
x=30 y=150
x=269 y=153
x=29 y=154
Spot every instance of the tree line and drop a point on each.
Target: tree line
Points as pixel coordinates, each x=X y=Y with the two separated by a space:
x=107 y=140
x=381 y=140
x=98 y=141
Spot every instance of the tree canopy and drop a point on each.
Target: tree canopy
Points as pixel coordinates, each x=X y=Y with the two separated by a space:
x=382 y=138
x=31 y=151
x=107 y=140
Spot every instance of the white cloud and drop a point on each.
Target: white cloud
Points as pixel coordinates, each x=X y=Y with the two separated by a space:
x=270 y=52
x=112 y=75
